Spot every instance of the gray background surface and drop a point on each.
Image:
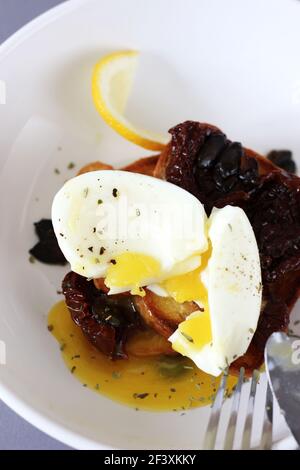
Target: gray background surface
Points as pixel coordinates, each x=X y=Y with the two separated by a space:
x=15 y=433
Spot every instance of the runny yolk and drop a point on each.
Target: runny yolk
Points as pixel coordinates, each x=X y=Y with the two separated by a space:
x=196 y=329
x=137 y=270
x=132 y=269
x=189 y=287
x=186 y=287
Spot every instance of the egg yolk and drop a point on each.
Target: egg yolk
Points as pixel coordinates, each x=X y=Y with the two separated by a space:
x=137 y=270
x=189 y=287
x=196 y=330
x=186 y=287
x=132 y=269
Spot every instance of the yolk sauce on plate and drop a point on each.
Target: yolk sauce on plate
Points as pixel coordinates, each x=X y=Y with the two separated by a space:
x=148 y=383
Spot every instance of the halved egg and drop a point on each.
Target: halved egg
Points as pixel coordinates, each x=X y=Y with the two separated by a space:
x=222 y=331
x=131 y=229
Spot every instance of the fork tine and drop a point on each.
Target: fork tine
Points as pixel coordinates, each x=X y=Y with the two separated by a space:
x=213 y=423
x=230 y=433
x=267 y=432
x=250 y=410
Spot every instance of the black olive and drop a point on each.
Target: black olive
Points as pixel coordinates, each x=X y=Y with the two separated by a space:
x=291 y=167
x=230 y=160
x=218 y=180
x=224 y=184
x=249 y=174
x=229 y=183
x=210 y=150
x=283 y=159
x=204 y=181
x=47 y=249
x=44 y=228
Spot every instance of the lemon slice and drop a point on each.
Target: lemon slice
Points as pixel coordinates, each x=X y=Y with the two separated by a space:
x=112 y=81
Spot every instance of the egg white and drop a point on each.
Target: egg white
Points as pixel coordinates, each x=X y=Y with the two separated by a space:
x=119 y=212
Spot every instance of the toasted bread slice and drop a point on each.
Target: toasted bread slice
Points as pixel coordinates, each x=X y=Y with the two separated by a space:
x=163 y=314
x=145 y=166
x=94 y=166
x=144 y=343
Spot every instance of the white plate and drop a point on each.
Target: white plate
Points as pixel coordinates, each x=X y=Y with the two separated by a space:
x=231 y=63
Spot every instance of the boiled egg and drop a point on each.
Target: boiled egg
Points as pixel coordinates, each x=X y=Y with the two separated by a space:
x=222 y=329
x=131 y=229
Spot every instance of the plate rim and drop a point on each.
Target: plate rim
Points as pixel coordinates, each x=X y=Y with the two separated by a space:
x=37 y=23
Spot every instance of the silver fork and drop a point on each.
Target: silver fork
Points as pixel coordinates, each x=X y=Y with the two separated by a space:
x=216 y=420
